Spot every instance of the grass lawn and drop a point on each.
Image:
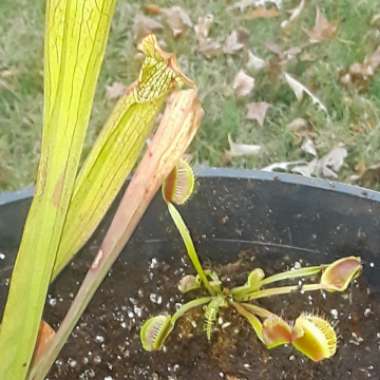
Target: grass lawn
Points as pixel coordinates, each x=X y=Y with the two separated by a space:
x=353 y=117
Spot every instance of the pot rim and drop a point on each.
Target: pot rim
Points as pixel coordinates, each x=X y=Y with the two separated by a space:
x=258 y=175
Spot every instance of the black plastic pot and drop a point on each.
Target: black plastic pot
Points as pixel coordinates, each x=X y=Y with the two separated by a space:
x=276 y=215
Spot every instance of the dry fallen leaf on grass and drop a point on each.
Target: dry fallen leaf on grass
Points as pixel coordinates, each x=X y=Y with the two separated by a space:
x=242 y=5
x=328 y=166
x=239 y=150
x=257 y=111
x=299 y=89
x=301 y=129
x=308 y=146
x=254 y=62
x=283 y=56
x=375 y=21
x=283 y=166
x=333 y=161
x=209 y=48
x=203 y=26
x=360 y=73
x=297 y=124
x=151 y=9
x=260 y=12
x=115 y=90
x=177 y=19
x=206 y=46
x=144 y=25
x=294 y=14
x=369 y=177
x=235 y=41
x=243 y=84
x=323 y=29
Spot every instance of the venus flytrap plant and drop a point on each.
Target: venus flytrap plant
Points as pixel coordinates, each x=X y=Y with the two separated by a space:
x=310 y=334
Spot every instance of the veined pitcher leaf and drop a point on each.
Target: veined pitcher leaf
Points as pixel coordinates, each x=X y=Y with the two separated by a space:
x=118 y=147
x=178 y=126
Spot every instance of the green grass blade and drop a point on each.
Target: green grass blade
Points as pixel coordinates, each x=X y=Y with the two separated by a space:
x=118 y=147
x=76 y=35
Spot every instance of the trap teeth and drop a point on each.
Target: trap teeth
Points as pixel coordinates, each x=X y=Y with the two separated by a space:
x=317 y=338
x=179 y=185
x=154 y=332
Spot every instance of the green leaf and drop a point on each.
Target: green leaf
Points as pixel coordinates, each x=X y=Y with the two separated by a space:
x=76 y=35
x=251 y=318
x=118 y=147
x=192 y=253
x=178 y=126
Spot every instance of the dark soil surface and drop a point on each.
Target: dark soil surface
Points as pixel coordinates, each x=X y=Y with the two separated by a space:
x=105 y=345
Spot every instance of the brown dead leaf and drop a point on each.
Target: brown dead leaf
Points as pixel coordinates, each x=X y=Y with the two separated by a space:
x=297 y=124
x=209 y=48
x=115 y=90
x=242 y=5
x=360 y=73
x=328 y=166
x=301 y=130
x=206 y=46
x=151 y=9
x=261 y=12
x=45 y=335
x=239 y=150
x=254 y=62
x=375 y=21
x=294 y=14
x=177 y=19
x=299 y=89
x=235 y=41
x=203 y=26
x=145 y=25
x=307 y=170
x=282 y=166
x=370 y=176
x=323 y=29
x=308 y=146
x=283 y=57
x=257 y=111
x=243 y=84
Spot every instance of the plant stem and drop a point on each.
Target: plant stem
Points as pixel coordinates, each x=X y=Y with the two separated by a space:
x=258 y=310
x=282 y=290
x=188 y=306
x=251 y=318
x=185 y=234
x=296 y=273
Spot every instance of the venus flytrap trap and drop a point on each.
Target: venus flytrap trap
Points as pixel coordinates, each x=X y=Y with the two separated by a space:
x=310 y=334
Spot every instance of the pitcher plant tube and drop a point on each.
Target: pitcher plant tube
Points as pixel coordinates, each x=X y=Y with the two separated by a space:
x=310 y=334
x=71 y=198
